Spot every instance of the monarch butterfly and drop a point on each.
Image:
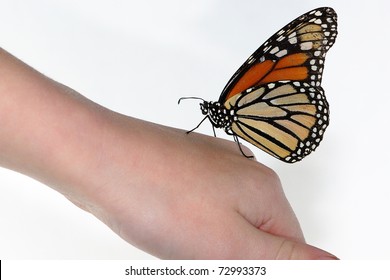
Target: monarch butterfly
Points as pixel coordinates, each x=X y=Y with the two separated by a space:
x=275 y=100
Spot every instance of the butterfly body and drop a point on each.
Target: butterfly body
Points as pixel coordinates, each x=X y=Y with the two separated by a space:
x=275 y=100
x=219 y=115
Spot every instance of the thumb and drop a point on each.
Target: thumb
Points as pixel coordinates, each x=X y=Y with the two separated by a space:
x=291 y=250
x=259 y=244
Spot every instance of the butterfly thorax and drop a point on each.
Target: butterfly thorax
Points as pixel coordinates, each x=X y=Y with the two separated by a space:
x=218 y=114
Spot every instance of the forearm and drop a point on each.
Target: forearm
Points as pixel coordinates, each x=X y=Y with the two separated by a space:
x=47 y=131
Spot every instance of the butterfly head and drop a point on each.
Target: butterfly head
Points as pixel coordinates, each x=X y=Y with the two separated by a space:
x=205 y=108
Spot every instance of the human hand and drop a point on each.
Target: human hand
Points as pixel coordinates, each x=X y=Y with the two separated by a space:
x=173 y=195
x=196 y=197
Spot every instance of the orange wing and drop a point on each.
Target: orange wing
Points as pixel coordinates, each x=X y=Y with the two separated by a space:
x=295 y=53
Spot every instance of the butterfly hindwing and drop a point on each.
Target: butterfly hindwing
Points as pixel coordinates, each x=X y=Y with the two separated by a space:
x=284 y=119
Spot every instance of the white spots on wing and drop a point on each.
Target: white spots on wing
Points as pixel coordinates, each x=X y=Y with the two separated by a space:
x=297 y=84
x=251 y=59
x=306 y=46
x=274 y=50
x=294 y=34
x=293 y=40
x=262 y=59
x=266 y=49
x=281 y=53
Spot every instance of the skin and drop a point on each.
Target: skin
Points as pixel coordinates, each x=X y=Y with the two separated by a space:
x=173 y=195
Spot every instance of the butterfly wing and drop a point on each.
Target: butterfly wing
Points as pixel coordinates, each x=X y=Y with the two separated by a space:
x=285 y=119
x=276 y=94
x=296 y=52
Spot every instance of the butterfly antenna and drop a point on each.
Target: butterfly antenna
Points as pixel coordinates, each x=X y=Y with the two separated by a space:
x=190 y=97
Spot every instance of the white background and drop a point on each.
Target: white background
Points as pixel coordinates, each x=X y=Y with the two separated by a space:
x=139 y=57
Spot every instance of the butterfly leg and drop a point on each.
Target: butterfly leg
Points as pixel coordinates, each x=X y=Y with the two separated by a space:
x=215 y=135
x=239 y=146
x=188 y=132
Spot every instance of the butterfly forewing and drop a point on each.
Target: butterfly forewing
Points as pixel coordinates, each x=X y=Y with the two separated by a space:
x=296 y=52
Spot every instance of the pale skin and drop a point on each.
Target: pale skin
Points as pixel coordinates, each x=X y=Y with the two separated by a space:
x=173 y=195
